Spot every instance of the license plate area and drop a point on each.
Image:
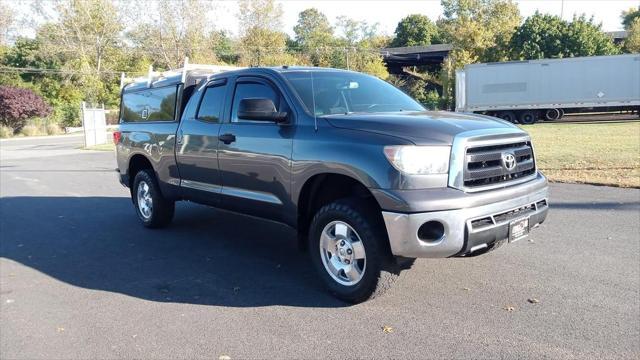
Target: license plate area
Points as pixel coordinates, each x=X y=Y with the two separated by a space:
x=518 y=229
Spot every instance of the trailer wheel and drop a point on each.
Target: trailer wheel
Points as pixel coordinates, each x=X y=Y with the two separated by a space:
x=528 y=117
x=561 y=114
x=552 y=114
x=509 y=116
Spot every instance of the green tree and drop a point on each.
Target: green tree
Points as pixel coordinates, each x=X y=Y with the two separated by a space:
x=632 y=42
x=585 y=38
x=629 y=16
x=314 y=38
x=167 y=40
x=479 y=30
x=262 y=41
x=415 y=30
x=360 y=43
x=548 y=36
x=540 y=36
x=85 y=36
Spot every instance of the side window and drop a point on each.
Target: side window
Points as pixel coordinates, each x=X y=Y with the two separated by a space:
x=149 y=105
x=252 y=90
x=212 y=104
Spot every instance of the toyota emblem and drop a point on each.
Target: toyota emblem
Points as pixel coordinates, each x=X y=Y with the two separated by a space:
x=509 y=161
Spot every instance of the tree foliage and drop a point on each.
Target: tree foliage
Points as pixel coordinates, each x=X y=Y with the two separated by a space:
x=18 y=105
x=629 y=16
x=262 y=41
x=632 y=42
x=547 y=36
x=479 y=30
x=416 y=30
x=167 y=40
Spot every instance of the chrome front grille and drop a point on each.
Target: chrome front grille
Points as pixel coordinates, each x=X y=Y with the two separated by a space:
x=491 y=164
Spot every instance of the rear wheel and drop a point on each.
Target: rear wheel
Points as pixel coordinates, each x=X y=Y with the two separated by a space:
x=152 y=208
x=552 y=114
x=528 y=117
x=509 y=116
x=349 y=249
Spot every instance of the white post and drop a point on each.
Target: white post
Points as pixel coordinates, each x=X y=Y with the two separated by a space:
x=185 y=67
x=149 y=76
x=84 y=125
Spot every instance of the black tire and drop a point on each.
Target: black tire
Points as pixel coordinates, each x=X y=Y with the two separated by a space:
x=552 y=114
x=381 y=269
x=509 y=116
x=528 y=117
x=162 y=210
x=561 y=114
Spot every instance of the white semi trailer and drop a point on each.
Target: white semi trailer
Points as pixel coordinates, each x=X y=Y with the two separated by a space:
x=525 y=91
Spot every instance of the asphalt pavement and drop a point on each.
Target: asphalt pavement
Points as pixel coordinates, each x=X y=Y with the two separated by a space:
x=81 y=278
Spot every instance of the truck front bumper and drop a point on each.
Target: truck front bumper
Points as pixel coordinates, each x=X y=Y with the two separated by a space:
x=462 y=231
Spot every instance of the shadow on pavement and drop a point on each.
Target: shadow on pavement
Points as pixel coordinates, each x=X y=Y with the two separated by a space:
x=206 y=256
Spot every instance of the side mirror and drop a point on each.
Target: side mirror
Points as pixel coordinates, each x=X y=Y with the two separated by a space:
x=259 y=109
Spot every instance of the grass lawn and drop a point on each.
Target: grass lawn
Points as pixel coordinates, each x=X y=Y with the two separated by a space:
x=606 y=154
x=102 y=147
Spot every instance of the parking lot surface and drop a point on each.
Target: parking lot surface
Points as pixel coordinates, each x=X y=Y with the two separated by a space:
x=81 y=278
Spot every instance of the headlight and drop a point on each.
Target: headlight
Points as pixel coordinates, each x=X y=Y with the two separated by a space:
x=419 y=160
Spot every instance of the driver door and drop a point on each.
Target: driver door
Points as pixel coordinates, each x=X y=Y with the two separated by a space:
x=255 y=156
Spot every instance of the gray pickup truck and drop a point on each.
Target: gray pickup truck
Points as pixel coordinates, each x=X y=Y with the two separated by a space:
x=367 y=177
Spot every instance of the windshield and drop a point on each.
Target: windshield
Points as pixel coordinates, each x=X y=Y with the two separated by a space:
x=338 y=92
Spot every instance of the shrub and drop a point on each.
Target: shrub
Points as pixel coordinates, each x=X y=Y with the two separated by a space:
x=17 y=105
x=53 y=129
x=5 y=131
x=31 y=130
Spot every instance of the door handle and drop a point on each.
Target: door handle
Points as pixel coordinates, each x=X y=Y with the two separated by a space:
x=227 y=138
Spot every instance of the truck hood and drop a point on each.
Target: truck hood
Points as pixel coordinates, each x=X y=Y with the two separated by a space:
x=421 y=128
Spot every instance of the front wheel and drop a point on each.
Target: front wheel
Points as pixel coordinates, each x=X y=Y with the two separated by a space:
x=152 y=208
x=348 y=247
x=528 y=117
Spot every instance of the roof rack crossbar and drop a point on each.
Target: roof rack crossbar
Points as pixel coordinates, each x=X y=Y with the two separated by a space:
x=153 y=76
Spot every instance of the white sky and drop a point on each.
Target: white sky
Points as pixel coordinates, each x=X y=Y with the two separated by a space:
x=388 y=12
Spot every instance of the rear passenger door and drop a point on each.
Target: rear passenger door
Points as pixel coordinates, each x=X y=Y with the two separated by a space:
x=197 y=146
x=255 y=156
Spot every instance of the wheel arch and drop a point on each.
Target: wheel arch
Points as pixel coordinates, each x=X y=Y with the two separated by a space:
x=323 y=188
x=137 y=162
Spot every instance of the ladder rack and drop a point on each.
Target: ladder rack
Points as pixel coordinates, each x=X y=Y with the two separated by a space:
x=183 y=72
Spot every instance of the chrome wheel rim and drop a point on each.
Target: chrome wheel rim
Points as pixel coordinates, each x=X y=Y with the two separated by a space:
x=145 y=203
x=342 y=253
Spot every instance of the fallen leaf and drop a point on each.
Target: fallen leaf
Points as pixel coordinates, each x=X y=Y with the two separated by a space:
x=533 y=300
x=60 y=329
x=509 y=308
x=387 y=329
x=466 y=289
x=224 y=357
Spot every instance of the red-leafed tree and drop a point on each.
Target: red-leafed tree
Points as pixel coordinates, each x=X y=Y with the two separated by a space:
x=17 y=105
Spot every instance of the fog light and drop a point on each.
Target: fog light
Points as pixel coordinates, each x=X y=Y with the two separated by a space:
x=431 y=231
